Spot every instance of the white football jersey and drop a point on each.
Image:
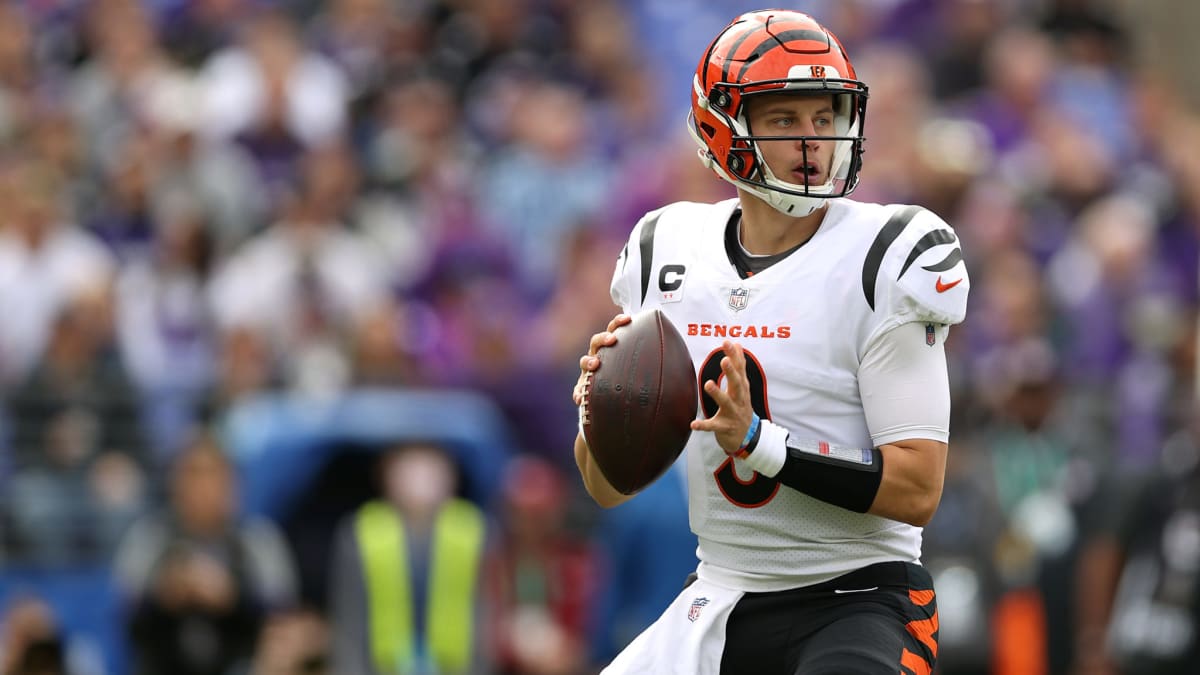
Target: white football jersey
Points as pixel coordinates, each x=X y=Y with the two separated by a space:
x=805 y=323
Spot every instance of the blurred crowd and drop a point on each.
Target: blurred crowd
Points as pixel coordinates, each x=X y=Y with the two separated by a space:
x=206 y=204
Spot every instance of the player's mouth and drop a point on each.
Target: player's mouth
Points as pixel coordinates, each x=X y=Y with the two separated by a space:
x=807 y=173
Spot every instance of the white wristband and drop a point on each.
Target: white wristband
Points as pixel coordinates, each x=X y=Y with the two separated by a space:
x=771 y=452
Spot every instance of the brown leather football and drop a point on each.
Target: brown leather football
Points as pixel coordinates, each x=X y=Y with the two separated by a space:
x=639 y=404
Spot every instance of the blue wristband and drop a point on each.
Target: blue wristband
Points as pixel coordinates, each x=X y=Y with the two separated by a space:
x=751 y=436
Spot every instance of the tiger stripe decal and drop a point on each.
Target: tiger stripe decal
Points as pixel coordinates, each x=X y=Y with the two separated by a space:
x=951 y=259
x=646 y=246
x=887 y=235
x=931 y=239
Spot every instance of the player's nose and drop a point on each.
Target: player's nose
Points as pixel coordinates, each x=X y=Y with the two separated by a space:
x=806 y=133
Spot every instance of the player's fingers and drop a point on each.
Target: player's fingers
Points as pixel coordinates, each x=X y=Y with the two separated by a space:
x=733 y=365
x=719 y=395
x=736 y=354
x=618 y=320
x=714 y=424
x=605 y=339
x=735 y=379
x=588 y=362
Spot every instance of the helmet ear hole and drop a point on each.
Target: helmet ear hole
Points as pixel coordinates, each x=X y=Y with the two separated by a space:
x=708 y=129
x=719 y=98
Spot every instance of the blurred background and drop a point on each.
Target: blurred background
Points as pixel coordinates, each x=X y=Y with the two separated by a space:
x=292 y=295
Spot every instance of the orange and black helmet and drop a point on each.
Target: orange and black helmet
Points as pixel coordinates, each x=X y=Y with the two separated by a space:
x=773 y=51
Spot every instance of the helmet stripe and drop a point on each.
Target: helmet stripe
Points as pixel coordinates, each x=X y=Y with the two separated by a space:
x=782 y=40
x=727 y=59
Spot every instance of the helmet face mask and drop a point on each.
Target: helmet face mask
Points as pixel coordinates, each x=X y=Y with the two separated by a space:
x=776 y=52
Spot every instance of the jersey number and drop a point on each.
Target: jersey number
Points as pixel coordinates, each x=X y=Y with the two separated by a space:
x=759 y=490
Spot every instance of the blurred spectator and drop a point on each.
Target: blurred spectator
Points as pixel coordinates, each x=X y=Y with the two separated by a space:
x=1139 y=606
x=362 y=36
x=959 y=549
x=1018 y=71
x=54 y=138
x=271 y=80
x=419 y=166
x=165 y=326
x=406 y=573
x=81 y=375
x=45 y=263
x=123 y=217
x=193 y=30
x=900 y=104
x=471 y=38
x=957 y=63
x=303 y=288
x=542 y=578
x=293 y=643
x=546 y=182
x=1046 y=470
x=274 y=98
x=18 y=72
x=219 y=176
x=106 y=93
x=620 y=82
x=31 y=642
x=77 y=443
x=199 y=583
x=1108 y=285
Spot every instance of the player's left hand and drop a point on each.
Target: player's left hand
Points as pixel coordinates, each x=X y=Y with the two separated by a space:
x=734 y=412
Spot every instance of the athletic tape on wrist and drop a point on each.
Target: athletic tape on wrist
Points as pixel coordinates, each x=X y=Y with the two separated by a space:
x=770 y=451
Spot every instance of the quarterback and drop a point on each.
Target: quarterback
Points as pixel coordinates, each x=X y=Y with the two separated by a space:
x=817 y=326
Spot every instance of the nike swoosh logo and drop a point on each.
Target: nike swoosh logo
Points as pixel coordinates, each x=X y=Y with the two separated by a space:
x=855 y=590
x=942 y=288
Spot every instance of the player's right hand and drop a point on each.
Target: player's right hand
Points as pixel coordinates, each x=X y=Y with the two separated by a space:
x=590 y=362
x=734 y=410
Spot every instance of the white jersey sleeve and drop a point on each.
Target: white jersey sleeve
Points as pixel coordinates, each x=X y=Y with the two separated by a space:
x=630 y=278
x=914 y=272
x=905 y=387
x=916 y=282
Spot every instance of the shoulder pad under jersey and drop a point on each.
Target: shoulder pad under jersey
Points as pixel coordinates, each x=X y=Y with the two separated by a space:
x=914 y=270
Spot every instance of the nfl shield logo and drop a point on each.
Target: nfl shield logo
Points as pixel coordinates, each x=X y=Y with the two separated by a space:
x=930 y=335
x=738 y=298
x=694 y=611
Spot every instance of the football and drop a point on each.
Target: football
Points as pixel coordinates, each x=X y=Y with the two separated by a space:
x=638 y=405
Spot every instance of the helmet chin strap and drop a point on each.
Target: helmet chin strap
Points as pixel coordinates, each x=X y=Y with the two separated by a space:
x=789 y=205
x=796 y=206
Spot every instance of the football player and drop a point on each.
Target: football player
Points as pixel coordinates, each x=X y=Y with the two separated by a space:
x=817 y=326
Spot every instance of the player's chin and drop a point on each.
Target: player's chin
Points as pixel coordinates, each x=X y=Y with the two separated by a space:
x=810 y=181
